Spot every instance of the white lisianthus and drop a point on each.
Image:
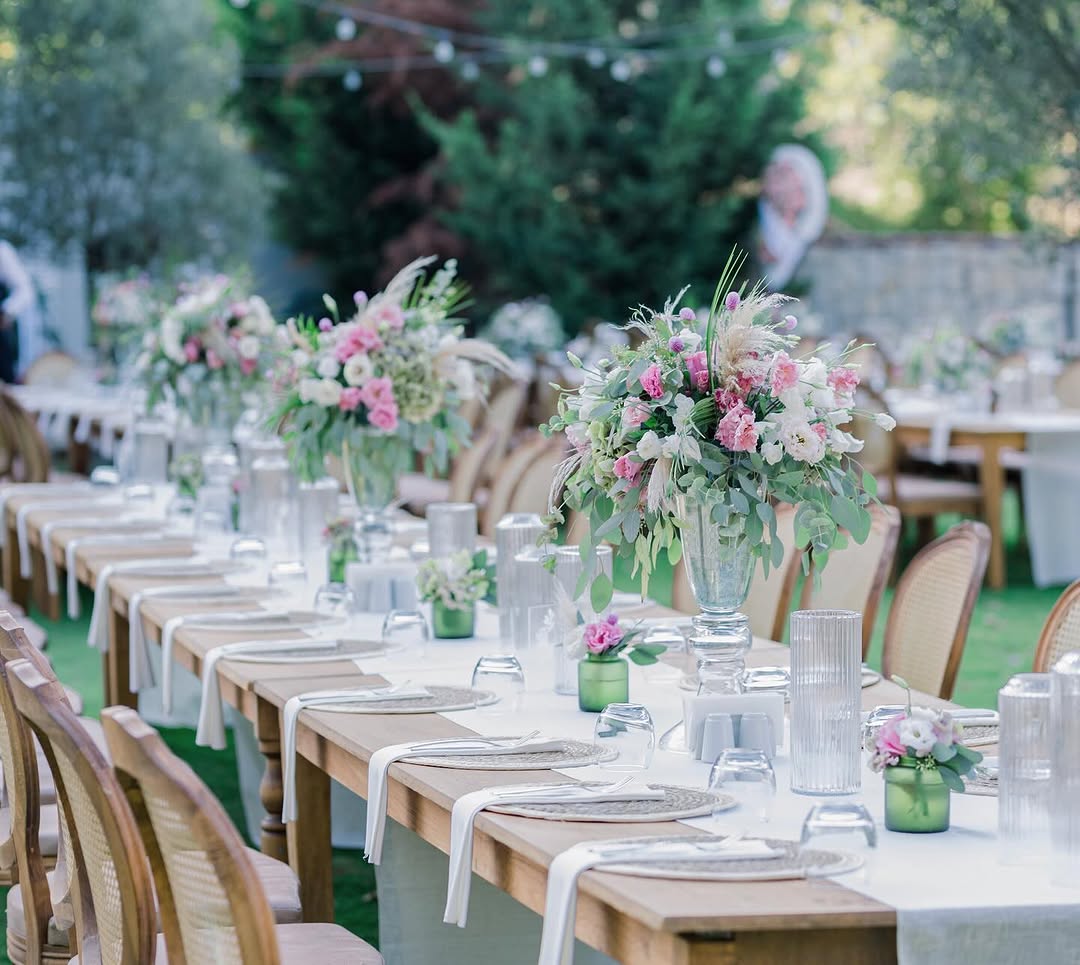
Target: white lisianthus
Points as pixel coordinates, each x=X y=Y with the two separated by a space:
x=328 y=367
x=300 y=358
x=327 y=393
x=773 y=452
x=684 y=405
x=681 y=445
x=801 y=442
x=578 y=435
x=838 y=417
x=844 y=442
x=307 y=389
x=248 y=347
x=649 y=446
x=885 y=421
x=691 y=340
x=917 y=734
x=358 y=369
x=259 y=319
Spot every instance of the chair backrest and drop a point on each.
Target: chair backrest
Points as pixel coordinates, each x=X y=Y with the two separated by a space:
x=931 y=611
x=533 y=493
x=769 y=600
x=1061 y=631
x=213 y=907
x=504 y=410
x=1067 y=386
x=53 y=368
x=468 y=467
x=855 y=577
x=114 y=908
x=31 y=451
x=506 y=479
x=23 y=800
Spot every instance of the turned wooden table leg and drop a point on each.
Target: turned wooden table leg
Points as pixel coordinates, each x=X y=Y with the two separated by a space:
x=272 y=840
x=116 y=663
x=310 y=851
x=992 y=480
x=17 y=588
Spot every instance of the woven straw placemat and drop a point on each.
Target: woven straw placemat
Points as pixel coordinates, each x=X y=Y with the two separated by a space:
x=677 y=804
x=574 y=754
x=439 y=699
x=342 y=650
x=795 y=862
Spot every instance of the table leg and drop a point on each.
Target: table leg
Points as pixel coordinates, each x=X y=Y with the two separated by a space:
x=17 y=588
x=309 y=841
x=272 y=840
x=47 y=603
x=116 y=663
x=992 y=481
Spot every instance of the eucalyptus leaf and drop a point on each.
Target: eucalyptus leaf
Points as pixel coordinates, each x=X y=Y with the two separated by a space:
x=601 y=592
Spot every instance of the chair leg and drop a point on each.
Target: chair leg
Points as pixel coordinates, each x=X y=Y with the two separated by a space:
x=926 y=530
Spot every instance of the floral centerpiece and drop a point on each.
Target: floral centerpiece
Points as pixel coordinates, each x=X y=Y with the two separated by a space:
x=603 y=676
x=123 y=308
x=383 y=385
x=526 y=329
x=920 y=753
x=212 y=345
x=949 y=361
x=453 y=586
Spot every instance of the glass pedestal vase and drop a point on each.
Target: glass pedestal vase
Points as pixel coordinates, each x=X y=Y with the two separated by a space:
x=916 y=799
x=602 y=682
x=373 y=462
x=448 y=623
x=719 y=565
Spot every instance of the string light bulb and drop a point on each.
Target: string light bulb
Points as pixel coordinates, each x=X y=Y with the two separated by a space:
x=715 y=66
x=353 y=80
x=621 y=70
x=470 y=70
x=444 y=51
x=595 y=57
x=538 y=65
x=345 y=29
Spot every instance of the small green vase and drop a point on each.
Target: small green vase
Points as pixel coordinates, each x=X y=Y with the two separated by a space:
x=340 y=555
x=601 y=682
x=916 y=799
x=451 y=624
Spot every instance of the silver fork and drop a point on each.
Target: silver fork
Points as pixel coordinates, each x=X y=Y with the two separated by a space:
x=483 y=742
x=549 y=790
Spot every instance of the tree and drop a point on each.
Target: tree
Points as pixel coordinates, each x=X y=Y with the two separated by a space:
x=601 y=192
x=118 y=142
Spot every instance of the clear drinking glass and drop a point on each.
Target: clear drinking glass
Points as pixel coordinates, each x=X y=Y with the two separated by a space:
x=406 y=631
x=514 y=533
x=628 y=730
x=501 y=674
x=672 y=663
x=749 y=776
x=569 y=567
x=335 y=600
x=840 y=817
x=1065 y=763
x=1024 y=768
x=290 y=575
x=533 y=586
x=451 y=528
x=826 y=691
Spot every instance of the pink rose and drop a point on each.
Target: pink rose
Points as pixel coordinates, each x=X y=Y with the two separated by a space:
x=359 y=339
x=379 y=391
x=785 y=373
x=602 y=636
x=635 y=415
x=213 y=360
x=843 y=380
x=248 y=366
x=736 y=430
x=652 y=382
x=350 y=399
x=626 y=468
x=384 y=416
x=698 y=368
x=191 y=349
x=391 y=315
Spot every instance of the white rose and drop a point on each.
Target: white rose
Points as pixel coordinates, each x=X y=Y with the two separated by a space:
x=649 y=446
x=248 y=347
x=918 y=735
x=300 y=358
x=773 y=452
x=328 y=367
x=327 y=393
x=358 y=369
x=885 y=421
x=307 y=389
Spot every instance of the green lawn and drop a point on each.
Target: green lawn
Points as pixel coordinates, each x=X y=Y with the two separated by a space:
x=1002 y=640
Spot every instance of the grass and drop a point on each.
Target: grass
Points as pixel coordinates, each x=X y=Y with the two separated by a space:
x=1001 y=642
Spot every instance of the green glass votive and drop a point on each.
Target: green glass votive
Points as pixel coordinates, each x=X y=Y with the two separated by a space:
x=451 y=624
x=916 y=799
x=602 y=682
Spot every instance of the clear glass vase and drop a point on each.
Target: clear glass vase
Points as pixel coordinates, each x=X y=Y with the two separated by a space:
x=1065 y=762
x=1024 y=768
x=719 y=565
x=374 y=461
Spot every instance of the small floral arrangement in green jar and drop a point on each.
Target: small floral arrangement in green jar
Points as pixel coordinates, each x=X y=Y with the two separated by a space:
x=341 y=548
x=922 y=759
x=603 y=674
x=186 y=472
x=453 y=586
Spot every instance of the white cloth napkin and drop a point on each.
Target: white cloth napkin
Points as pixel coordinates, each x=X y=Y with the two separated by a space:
x=22 y=530
x=940 y=432
x=381 y=760
x=75 y=545
x=211 y=728
x=50 y=491
x=560 y=906
x=381 y=587
x=291 y=713
x=117 y=525
x=468 y=806
x=98 y=635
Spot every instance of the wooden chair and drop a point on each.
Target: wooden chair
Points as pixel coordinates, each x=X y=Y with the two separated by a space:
x=931 y=611
x=31 y=458
x=1067 y=386
x=1061 y=631
x=212 y=904
x=418 y=491
x=507 y=478
x=503 y=414
x=533 y=493
x=769 y=600
x=53 y=368
x=856 y=576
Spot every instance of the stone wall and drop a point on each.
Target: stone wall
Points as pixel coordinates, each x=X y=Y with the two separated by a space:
x=898 y=285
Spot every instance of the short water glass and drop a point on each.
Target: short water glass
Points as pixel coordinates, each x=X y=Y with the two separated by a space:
x=406 y=631
x=748 y=775
x=840 y=817
x=673 y=662
x=335 y=600
x=628 y=730
x=501 y=675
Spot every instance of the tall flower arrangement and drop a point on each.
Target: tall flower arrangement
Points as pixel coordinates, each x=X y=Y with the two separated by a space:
x=214 y=343
x=123 y=308
x=383 y=384
x=720 y=408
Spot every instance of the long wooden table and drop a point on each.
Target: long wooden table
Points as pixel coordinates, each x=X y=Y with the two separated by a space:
x=814 y=921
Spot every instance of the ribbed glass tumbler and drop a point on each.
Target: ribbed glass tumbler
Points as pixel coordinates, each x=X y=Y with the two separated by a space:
x=1024 y=768
x=1065 y=766
x=826 y=683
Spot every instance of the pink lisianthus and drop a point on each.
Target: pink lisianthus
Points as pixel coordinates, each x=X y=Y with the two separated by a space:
x=602 y=636
x=248 y=366
x=626 y=468
x=213 y=360
x=785 y=373
x=652 y=381
x=378 y=391
x=391 y=315
x=698 y=367
x=384 y=416
x=350 y=399
x=736 y=430
x=727 y=400
x=359 y=339
x=192 y=348
x=635 y=415
x=888 y=743
x=843 y=380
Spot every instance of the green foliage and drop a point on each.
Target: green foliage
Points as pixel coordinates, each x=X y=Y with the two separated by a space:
x=600 y=193
x=118 y=141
